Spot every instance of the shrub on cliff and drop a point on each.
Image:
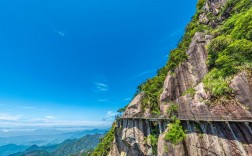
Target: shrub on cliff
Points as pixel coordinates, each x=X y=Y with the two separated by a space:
x=229 y=52
x=175 y=133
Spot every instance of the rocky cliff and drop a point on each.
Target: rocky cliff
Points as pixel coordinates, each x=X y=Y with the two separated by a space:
x=209 y=89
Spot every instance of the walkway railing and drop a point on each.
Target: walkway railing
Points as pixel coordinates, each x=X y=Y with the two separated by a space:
x=198 y=117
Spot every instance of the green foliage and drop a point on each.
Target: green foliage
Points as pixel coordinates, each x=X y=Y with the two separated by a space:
x=236 y=54
x=235 y=6
x=243 y=26
x=200 y=4
x=230 y=51
x=153 y=141
x=153 y=87
x=239 y=26
x=87 y=153
x=166 y=149
x=172 y=110
x=218 y=44
x=216 y=84
x=122 y=110
x=197 y=127
x=104 y=146
x=175 y=132
x=191 y=91
x=85 y=144
x=178 y=55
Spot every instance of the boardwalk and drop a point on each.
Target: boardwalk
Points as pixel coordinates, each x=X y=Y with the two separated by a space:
x=163 y=121
x=193 y=118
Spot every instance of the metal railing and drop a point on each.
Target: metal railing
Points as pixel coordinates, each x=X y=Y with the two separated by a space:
x=192 y=117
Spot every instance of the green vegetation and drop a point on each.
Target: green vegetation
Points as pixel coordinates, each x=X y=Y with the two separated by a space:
x=216 y=84
x=175 y=132
x=178 y=55
x=198 y=129
x=229 y=52
x=152 y=88
x=84 y=144
x=172 y=110
x=70 y=147
x=87 y=153
x=104 y=146
x=200 y=4
x=122 y=110
x=235 y=6
x=153 y=139
x=166 y=149
x=191 y=91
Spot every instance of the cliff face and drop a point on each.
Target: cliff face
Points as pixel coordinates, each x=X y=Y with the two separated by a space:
x=214 y=124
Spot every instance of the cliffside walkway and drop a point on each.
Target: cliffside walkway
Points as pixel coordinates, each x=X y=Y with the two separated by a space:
x=164 y=120
x=199 y=119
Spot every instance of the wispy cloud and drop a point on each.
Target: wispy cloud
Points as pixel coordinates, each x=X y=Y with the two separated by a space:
x=26 y=107
x=127 y=99
x=110 y=116
x=15 y=122
x=49 y=117
x=101 y=87
x=9 y=117
x=103 y=100
x=61 y=33
x=143 y=73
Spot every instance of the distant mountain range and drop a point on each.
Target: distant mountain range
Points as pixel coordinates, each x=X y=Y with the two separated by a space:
x=69 y=147
x=11 y=148
x=43 y=137
x=44 y=142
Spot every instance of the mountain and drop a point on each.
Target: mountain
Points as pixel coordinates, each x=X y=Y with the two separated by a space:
x=43 y=137
x=11 y=148
x=86 y=143
x=200 y=102
x=66 y=148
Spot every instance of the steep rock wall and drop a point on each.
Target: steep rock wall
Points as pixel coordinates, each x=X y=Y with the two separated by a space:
x=202 y=138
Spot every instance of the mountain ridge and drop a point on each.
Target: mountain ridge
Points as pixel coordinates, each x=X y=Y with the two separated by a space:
x=66 y=148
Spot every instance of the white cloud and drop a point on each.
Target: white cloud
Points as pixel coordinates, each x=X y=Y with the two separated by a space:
x=27 y=107
x=101 y=87
x=52 y=123
x=6 y=130
x=61 y=33
x=8 y=121
x=127 y=99
x=9 y=117
x=50 y=117
x=110 y=116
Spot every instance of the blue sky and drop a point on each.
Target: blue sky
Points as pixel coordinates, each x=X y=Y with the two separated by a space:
x=76 y=62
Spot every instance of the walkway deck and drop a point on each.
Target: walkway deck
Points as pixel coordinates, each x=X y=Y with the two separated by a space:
x=198 y=119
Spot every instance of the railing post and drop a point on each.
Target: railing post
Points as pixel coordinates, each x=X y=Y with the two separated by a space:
x=118 y=123
x=148 y=126
x=160 y=127
x=247 y=124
